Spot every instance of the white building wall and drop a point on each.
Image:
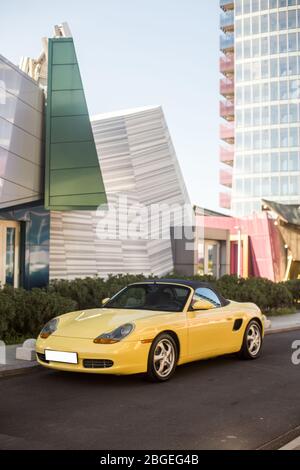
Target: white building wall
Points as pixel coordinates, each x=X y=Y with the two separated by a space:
x=21 y=128
x=138 y=161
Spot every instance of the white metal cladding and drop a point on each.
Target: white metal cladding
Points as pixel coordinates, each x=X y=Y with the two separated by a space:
x=21 y=147
x=138 y=160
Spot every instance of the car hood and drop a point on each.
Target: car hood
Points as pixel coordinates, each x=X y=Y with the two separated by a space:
x=92 y=323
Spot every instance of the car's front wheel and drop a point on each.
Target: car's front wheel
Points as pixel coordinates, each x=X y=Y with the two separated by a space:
x=252 y=342
x=162 y=359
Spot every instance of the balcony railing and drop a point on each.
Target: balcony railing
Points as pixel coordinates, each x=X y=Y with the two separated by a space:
x=227 y=155
x=226 y=178
x=227 y=21
x=227 y=42
x=227 y=110
x=227 y=133
x=227 y=65
x=227 y=88
x=225 y=200
x=227 y=4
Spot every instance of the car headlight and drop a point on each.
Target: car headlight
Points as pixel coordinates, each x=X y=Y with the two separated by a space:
x=49 y=328
x=116 y=335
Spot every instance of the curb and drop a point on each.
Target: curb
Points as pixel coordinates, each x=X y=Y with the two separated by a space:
x=293 y=445
x=282 y=330
x=18 y=371
x=286 y=441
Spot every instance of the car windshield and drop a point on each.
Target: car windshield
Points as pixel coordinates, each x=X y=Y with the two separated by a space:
x=164 y=297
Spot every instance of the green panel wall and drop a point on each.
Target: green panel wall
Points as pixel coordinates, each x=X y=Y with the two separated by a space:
x=73 y=177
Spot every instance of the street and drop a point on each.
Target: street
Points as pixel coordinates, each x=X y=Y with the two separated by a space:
x=222 y=403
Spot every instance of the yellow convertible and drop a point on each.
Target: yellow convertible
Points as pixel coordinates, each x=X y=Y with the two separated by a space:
x=151 y=327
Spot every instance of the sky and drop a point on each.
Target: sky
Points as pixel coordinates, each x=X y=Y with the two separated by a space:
x=135 y=53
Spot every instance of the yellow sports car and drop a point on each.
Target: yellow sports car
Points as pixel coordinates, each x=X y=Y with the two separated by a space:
x=151 y=327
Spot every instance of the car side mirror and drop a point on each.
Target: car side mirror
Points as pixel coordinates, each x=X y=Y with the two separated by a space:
x=202 y=305
x=104 y=301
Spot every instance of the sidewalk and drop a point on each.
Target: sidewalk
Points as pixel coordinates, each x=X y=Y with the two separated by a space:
x=284 y=323
x=15 y=366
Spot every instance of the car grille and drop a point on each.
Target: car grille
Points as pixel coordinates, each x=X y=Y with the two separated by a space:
x=42 y=357
x=97 y=363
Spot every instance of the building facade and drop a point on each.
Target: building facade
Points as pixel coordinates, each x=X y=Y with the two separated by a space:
x=63 y=175
x=262 y=39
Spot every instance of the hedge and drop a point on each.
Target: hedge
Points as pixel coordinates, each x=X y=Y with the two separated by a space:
x=23 y=313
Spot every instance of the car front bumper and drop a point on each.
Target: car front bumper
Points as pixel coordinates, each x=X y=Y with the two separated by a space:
x=128 y=357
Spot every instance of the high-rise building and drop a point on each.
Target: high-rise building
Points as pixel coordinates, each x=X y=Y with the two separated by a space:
x=260 y=64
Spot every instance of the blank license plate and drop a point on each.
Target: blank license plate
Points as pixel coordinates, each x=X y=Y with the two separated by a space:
x=60 y=356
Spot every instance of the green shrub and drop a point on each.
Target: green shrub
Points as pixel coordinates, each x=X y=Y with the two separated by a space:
x=294 y=288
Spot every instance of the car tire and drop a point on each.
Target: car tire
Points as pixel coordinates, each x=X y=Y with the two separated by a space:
x=162 y=359
x=252 y=341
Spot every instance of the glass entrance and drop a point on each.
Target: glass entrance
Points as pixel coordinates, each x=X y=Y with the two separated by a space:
x=9 y=253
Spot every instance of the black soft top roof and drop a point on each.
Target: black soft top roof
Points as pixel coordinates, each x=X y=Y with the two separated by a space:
x=188 y=283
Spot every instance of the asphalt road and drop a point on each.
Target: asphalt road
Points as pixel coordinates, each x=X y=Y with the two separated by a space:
x=222 y=403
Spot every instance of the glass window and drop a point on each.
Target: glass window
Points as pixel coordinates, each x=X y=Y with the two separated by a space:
x=239 y=118
x=265 y=46
x=274 y=138
x=273 y=4
x=265 y=69
x=284 y=185
x=294 y=185
x=282 y=3
x=273 y=44
x=255 y=70
x=239 y=140
x=284 y=137
x=256 y=187
x=255 y=6
x=247 y=72
x=274 y=114
x=247 y=94
x=256 y=141
x=248 y=187
x=294 y=89
x=284 y=161
x=256 y=93
x=283 y=43
x=294 y=161
x=283 y=90
x=265 y=115
x=275 y=186
x=255 y=47
x=247 y=25
x=265 y=92
x=247 y=141
x=239 y=50
x=247 y=6
x=294 y=141
x=256 y=164
x=274 y=91
x=206 y=294
x=239 y=95
x=292 y=19
x=282 y=20
x=239 y=73
x=274 y=162
x=292 y=2
x=248 y=117
x=264 y=4
x=284 y=114
x=273 y=21
x=255 y=25
x=292 y=42
x=238 y=28
x=256 y=116
x=293 y=65
x=283 y=66
x=247 y=49
x=238 y=7
x=265 y=186
x=266 y=139
x=274 y=68
x=293 y=112
x=264 y=24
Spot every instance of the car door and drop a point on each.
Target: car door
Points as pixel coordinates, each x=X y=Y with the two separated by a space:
x=210 y=332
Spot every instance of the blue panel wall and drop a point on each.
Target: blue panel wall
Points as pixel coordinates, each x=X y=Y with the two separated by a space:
x=35 y=230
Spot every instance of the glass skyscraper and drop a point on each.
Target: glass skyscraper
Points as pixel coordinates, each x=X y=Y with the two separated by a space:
x=261 y=103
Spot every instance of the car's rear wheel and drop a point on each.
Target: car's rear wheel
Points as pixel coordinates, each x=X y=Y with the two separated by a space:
x=252 y=342
x=162 y=358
